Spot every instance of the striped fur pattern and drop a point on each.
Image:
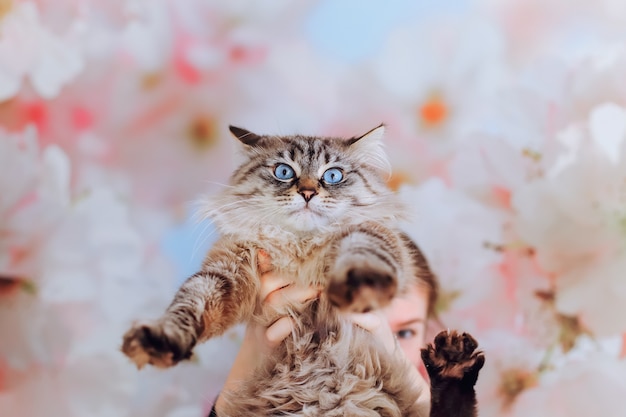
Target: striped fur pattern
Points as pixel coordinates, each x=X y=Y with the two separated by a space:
x=320 y=208
x=329 y=368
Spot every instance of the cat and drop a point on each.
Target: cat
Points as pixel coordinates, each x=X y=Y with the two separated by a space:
x=321 y=209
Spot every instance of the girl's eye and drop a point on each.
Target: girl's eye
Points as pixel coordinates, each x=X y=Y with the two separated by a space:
x=284 y=172
x=405 y=334
x=332 y=176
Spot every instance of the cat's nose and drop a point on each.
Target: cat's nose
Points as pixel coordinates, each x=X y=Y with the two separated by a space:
x=307 y=194
x=307 y=188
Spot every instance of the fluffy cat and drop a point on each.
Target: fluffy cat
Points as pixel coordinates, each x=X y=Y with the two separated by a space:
x=320 y=208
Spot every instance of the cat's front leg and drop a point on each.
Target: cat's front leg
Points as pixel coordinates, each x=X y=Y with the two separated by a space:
x=364 y=267
x=453 y=363
x=208 y=303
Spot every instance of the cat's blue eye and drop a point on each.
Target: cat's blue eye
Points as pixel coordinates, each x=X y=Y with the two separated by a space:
x=332 y=176
x=284 y=172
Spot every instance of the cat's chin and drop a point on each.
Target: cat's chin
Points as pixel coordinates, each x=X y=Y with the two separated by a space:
x=305 y=221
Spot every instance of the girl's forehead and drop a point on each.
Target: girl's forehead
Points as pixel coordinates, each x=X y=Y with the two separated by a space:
x=416 y=293
x=410 y=306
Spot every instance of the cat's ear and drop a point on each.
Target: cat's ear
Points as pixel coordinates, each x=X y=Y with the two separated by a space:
x=368 y=148
x=245 y=136
x=373 y=136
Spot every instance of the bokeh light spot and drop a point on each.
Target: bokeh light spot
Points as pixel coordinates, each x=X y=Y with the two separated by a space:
x=202 y=132
x=514 y=382
x=433 y=112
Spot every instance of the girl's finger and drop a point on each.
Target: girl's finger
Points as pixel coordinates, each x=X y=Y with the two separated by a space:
x=264 y=261
x=367 y=321
x=376 y=323
x=271 y=282
x=291 y=294
x=278 y=331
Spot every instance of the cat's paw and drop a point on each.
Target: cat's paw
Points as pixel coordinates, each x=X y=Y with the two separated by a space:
x=453 y=356
x=158 y=343
x=361 y=289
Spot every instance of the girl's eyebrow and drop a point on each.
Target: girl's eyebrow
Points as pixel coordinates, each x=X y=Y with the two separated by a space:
x=411 y=321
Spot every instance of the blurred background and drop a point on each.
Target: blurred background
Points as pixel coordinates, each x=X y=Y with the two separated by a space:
x=506 y=123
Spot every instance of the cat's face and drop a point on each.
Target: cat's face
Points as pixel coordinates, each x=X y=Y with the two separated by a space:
x=305 y=183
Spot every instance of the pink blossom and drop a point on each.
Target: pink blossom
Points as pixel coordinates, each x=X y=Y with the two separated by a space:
x=582 y=195
x=568 y=392
x=29 y=50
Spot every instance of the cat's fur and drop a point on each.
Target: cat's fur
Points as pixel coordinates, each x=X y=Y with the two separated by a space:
x=340 y=237
x=328 y=368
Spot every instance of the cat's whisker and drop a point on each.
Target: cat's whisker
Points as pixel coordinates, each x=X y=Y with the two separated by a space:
x=244 y=216
x=203 y=236
x=226 y=204
x=272 y=212
x=212 y=211
x=219 y=183
x=200 y=214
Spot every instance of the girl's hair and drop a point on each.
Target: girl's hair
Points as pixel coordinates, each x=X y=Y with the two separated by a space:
x=425 y=277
